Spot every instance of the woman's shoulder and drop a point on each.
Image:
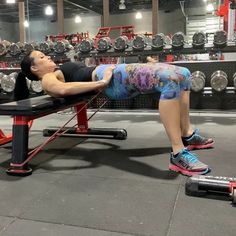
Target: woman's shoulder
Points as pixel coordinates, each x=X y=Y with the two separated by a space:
x=59 y=75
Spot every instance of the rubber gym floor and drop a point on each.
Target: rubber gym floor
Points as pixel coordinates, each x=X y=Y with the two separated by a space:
x=106 y=187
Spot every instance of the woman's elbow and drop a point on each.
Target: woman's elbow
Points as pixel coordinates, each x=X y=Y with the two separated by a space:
x=57 y=92
x=65 y=91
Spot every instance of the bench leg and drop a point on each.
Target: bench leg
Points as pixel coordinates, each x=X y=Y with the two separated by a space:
x=82 y=129
x=19 y=149
x=5 y=138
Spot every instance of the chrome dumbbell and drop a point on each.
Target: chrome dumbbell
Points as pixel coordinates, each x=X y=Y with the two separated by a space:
x=16 y=48
x=178 y=40
x=198 y=81
x=8 y=82
x=62 y=46
x=121 y=43
x=85 y=46
x=158 y=41
x=104 y=44
x=4 y=47
x=139 y=43
x=219 y=80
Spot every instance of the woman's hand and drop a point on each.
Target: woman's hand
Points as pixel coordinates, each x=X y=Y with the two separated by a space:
x=151 y=60
x=108 y=74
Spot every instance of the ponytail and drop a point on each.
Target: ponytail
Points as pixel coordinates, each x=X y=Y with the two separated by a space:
x=21 y=90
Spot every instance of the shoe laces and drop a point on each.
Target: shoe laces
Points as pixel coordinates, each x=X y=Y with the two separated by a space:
x=189 y=156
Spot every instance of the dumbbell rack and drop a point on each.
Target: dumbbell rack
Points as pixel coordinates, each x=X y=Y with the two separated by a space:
x=207 y=98
x=167 y=50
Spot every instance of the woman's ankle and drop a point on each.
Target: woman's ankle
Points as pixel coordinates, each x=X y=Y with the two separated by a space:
x=187 y=133
x=176 y=150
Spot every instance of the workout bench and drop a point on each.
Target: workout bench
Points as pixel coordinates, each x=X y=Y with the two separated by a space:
x=24 y=111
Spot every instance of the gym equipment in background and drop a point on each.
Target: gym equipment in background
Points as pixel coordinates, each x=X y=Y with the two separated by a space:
x=121 y=43
x=199 y=40
x=16 y=48
x=200 y=186
x=158 y=41
x=220 y=39
x=46 y=47
x=85 y=46
x=8 y=82
x=198 y=81
x=178 y=40
x=104 y=44
x=4 y=47
x=219 y=80
x=139 y=43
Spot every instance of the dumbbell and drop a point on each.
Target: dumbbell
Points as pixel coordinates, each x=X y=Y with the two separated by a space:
x=219 y=80
x=8 y=82
x=46 y=47
x=121 y=43
x=201 y=185
x=16 y=48
x=1 y=76
x=4 y=46
x=198 y=81
x=199 y=39
x=178 y=40
x=234 y=80
x=104 y=44
x=139 y=43
x=29 y=47
x=36 y=86
x=86 y=45
x=220 y=39
x=62 y=46
x=158 y=41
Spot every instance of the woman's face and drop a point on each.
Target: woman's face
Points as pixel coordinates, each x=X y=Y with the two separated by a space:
x=42 y=64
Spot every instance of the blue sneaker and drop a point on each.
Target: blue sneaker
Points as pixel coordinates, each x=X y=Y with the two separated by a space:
x=197 y=141
x=187 y=164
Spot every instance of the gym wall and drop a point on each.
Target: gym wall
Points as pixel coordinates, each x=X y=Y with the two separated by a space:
x=168 y=23
x=8 y=31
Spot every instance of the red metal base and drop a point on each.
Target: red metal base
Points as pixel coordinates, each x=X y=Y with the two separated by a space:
x=19 y=171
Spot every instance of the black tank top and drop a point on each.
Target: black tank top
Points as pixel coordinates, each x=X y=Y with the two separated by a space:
x=76 y=72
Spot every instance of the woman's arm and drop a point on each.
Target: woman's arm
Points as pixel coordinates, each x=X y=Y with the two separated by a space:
x=54 y=87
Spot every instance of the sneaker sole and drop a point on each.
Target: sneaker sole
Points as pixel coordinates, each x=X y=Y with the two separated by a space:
x=187 y=172
x=203 y=146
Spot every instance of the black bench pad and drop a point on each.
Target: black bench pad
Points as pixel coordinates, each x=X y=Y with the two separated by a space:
x=41 y=104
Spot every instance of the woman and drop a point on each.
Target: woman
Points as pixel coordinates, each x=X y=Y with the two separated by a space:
x=124 y=81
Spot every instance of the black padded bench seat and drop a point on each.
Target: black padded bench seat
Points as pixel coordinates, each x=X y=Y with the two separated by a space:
x=35 y=106
x=24 y=111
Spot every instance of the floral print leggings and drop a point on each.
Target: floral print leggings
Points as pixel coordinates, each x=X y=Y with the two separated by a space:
x=130 y=80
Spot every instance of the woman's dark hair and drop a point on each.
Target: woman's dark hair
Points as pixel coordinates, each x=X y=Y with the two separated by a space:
x=21 y=90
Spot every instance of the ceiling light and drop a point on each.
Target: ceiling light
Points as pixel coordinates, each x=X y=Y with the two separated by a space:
x=26 y=24
x=138 y=15
x=210 y=7
x=48 y=11
x=122 y=5
x=78 y=19
x=11 y=1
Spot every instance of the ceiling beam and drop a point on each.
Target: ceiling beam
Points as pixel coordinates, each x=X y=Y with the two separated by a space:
x=85 y=6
